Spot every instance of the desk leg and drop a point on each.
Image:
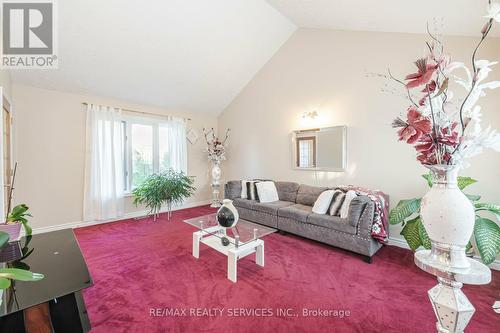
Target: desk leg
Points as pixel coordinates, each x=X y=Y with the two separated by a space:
x=196 y=244
x=451 y=307
x=259 y=255
x=232 y=266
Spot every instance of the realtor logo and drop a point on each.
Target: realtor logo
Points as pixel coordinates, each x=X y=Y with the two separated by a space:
x=29 y=34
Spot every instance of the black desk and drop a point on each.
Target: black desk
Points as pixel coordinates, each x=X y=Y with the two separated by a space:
x=57 y=256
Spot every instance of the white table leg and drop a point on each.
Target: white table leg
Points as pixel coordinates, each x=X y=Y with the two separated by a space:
x=196 y=244
x=451 y=307
x=232 y=266
x=259 y=255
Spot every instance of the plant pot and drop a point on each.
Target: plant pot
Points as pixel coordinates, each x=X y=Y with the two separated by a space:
x=13 y=229
x=448 y=217
x=227 y=215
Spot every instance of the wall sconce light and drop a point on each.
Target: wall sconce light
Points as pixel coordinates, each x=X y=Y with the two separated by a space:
x=310 y=115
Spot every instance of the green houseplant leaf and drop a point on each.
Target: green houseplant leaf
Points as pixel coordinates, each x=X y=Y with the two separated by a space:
x=4 y=239
x=424 y=237
x=487 y=234
x=463 y=182
x=20 y=274
x=492 y=208
x=428 y=178
x=473 y=197
x=411 y=233
x=4 y=283
x=403 y=210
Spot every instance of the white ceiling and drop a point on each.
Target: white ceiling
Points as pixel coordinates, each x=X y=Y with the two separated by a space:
x=460 y=17
x=193 y=55
x=197 y=55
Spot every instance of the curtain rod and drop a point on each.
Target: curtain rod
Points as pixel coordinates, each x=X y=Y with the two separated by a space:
x=142 y=112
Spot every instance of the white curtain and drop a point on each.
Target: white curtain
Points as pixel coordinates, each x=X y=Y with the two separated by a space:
x=177 y=145
x=104 y=164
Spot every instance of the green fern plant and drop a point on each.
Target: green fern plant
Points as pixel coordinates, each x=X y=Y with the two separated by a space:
x=169 y=187
x=486 y=231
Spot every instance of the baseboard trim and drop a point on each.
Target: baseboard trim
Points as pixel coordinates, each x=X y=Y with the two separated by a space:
x=78 y=224
x=402 y=243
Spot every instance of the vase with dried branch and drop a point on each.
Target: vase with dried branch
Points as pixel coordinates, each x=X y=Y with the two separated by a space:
x=445 y=129
x=216 y=151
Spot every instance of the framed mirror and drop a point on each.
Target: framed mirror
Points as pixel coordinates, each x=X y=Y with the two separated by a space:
x=322 y=149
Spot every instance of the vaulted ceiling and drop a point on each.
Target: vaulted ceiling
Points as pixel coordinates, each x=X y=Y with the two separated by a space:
x=453 y=17
x=197 y=55
x=192 y=55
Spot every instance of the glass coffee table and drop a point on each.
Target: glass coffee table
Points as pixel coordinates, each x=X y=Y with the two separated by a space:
x=235 y=243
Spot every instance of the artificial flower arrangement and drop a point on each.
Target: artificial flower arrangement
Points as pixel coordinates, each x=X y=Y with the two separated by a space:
x=216 y=148
x=444 y=130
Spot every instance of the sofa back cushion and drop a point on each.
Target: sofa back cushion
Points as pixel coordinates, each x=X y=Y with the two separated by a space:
x=287 y=191
x=307 y=195
x=232 y=190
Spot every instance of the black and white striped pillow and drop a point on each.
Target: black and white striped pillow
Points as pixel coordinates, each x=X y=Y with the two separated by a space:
x=337 y=201
x=252 y=190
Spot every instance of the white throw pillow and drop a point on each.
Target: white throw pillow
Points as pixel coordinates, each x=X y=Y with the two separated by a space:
x=344 y=211
x=267 y=191
x=323 y=202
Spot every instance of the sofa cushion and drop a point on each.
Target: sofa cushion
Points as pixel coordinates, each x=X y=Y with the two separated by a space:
x=307 y=195
x=331 y=222
x=356 y=208
x=244 y=203
x=287 y=191
x=272 y=207
x=296 y=212
x=323 y=202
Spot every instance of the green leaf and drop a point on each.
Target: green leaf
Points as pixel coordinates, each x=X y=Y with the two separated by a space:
x=403 y=210
x=424 y=237
x=473 y=197
x=20 y=274
x=487 y=234
x=4 y=239
x=463 y=182
x=411 y=233
x=428 y=178
x=493 y=208
x=4 y=283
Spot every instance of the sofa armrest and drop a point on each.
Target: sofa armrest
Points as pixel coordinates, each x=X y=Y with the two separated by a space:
x=232 y=189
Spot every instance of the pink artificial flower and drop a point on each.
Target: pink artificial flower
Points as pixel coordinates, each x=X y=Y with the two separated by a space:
x=427 y=147
x=417 y=126
x=423 y=76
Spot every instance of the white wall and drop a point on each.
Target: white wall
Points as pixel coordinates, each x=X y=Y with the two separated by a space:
x=50 y=145
x=324 y=70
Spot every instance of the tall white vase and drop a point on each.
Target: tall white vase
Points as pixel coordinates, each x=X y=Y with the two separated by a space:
x=216 y=176
x=448 y=218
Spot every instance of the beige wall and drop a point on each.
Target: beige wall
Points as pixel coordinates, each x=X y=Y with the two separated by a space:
x=325 y=70
x=50 y=146
x=5 y=87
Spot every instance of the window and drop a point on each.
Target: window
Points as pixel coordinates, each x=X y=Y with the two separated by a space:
x=148 y=145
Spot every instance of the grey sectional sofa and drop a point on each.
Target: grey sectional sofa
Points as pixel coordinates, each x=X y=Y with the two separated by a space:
x=293 y=214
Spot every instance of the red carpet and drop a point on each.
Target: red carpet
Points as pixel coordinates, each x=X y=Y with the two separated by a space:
x=139 y=265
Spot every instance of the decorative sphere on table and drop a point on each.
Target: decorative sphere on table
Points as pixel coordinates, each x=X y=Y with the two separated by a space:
x=227 y=215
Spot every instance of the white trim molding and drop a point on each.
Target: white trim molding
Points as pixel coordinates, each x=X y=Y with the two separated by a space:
x=78 y=224
x=399 y=242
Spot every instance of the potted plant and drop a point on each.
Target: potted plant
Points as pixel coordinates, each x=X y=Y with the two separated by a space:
x=8 y=274
x=14 y=220
x=486 y=232
x=168 y=187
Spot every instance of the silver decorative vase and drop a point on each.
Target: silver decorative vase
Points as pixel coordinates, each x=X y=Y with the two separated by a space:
x=448 y=217
x=216 y=176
